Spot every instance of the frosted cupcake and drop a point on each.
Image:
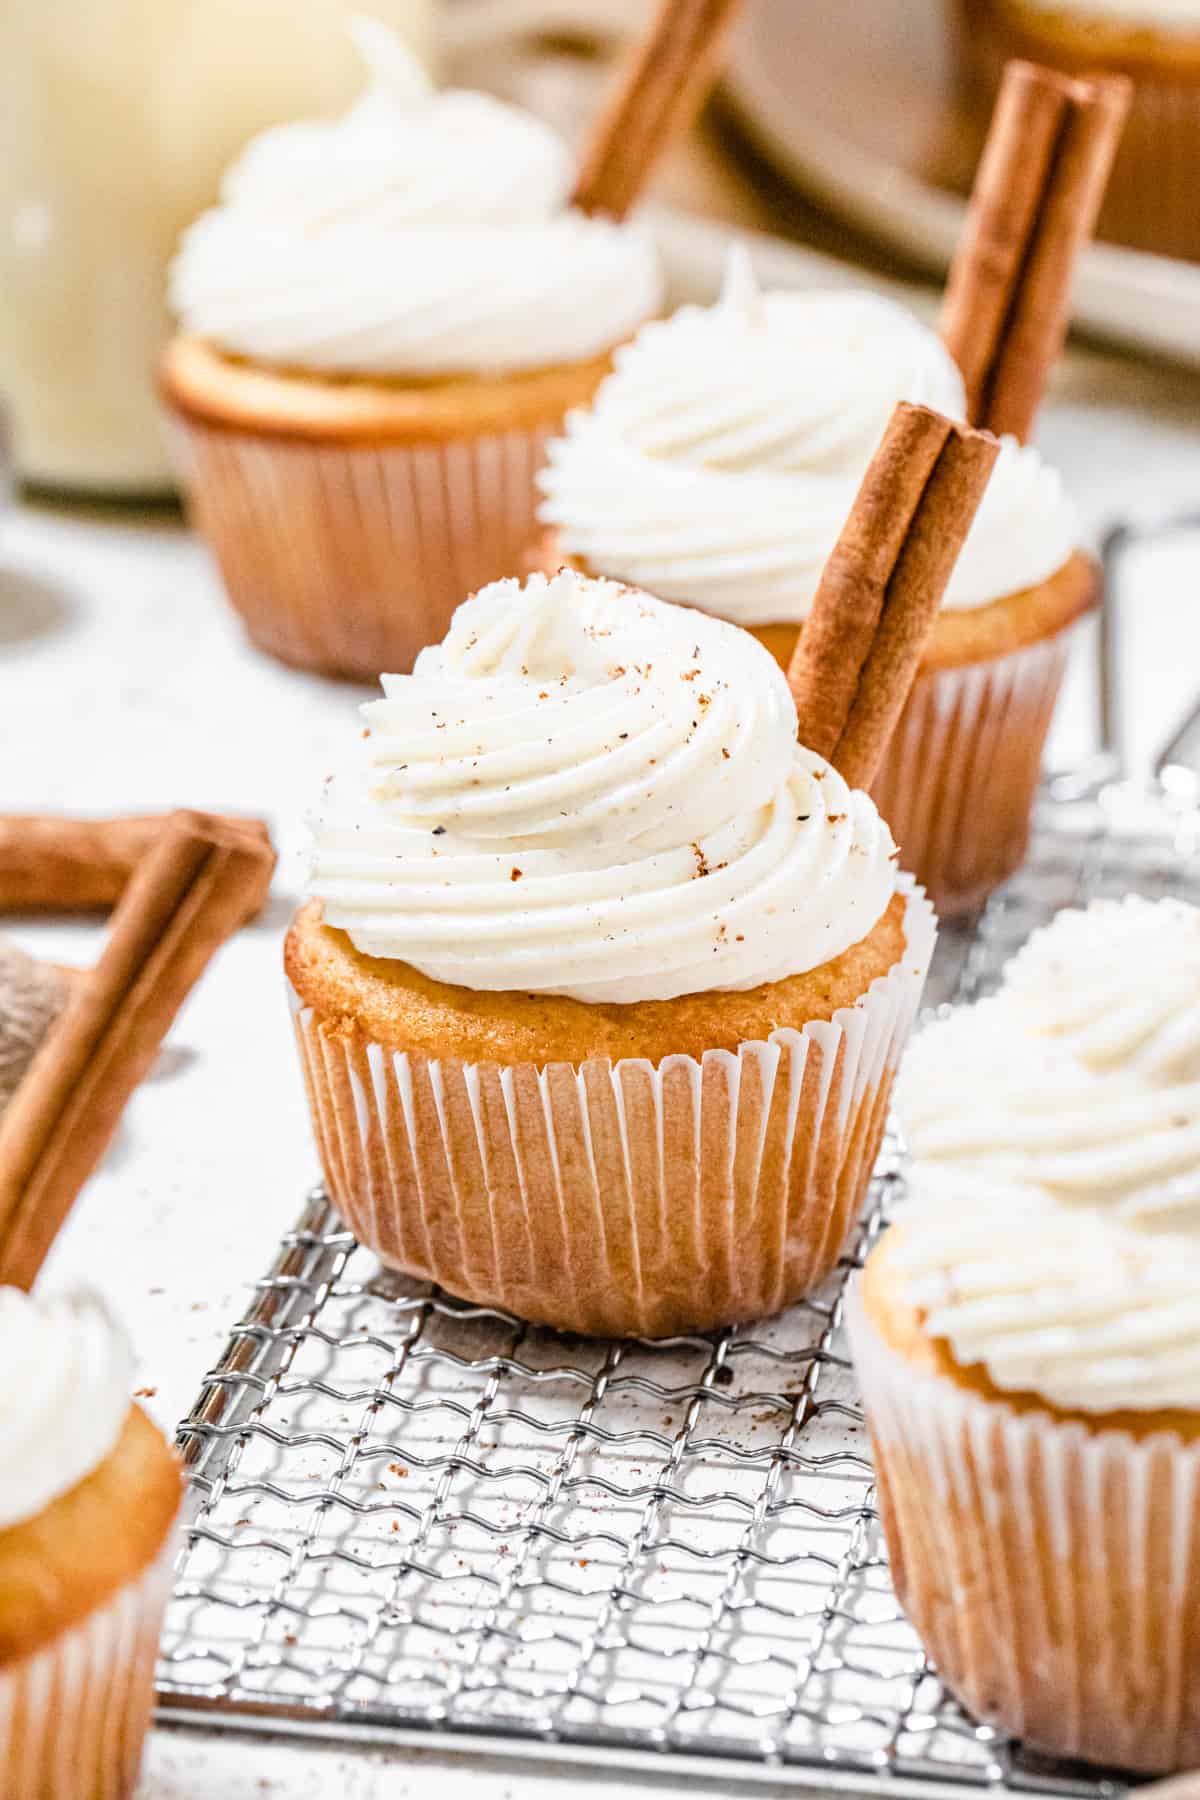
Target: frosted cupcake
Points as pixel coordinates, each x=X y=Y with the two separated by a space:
x=717 y=466
x=603 y=983
x=379 y=326
x=1028 y=1339
x=88 y=1493
x=1150 y=202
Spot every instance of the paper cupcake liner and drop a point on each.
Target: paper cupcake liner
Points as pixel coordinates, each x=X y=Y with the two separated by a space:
x=958 y=780
x=617 y=1199
x=73 y=1715
x=1150 y=200
x=1051 y=1570
x=349 y=559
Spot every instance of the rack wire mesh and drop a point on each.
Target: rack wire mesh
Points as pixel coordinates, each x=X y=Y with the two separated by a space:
x=411 y=1514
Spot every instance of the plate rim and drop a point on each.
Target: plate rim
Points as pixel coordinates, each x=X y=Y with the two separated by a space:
x=1127 y=297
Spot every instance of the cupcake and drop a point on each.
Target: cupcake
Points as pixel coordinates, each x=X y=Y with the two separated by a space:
x=380 y=325
x=604 y=978
x=1156 y=43
x=88 y=1493
x=1028 y=1341
x=717 y=466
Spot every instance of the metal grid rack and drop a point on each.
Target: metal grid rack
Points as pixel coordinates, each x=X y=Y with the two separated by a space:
x=410 y=1514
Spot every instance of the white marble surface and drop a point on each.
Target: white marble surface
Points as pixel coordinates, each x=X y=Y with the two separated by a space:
x=125 y=685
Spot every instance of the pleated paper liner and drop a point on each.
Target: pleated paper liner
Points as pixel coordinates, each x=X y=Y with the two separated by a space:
x=1052 y=1571
x=618 y=1199
x=958 y=781
x=349 y=559
x=73 y=1716
x=1150 y=200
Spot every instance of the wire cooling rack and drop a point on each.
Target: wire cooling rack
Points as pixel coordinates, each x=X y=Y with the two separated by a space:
x=413 y=1515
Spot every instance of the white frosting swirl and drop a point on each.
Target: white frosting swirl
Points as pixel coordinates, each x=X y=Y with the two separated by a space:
x=421 y=234
x=584 y=791
x=68 y=1370
x=1056 y=1131
x=720 y=459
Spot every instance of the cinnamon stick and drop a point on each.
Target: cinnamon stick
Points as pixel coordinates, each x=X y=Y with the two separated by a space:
x=1033 y=207
x=191 y=891
x=659 y=92
x=56 y=864
x=879 y=593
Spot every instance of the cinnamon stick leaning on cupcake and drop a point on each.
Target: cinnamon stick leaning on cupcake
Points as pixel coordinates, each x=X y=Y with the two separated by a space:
x=718 y=462
x=605 y=976
x=384 y=320
x=1027 y=1336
